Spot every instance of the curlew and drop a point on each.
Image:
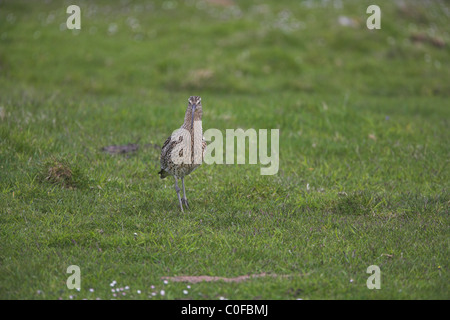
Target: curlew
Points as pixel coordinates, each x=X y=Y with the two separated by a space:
x=184 y=150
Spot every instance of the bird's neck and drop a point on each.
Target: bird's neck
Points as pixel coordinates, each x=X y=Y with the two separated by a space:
x=188 y=120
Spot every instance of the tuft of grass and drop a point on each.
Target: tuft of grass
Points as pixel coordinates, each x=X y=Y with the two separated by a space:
x=61 y=172
x=359 y=202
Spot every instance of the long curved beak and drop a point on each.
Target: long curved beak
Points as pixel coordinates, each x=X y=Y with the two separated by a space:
x=192 y=118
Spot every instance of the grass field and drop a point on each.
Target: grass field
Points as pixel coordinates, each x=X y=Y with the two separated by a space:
x=364 y=149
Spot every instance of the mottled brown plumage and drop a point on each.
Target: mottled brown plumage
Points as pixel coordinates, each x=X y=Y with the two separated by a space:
x=184 y=150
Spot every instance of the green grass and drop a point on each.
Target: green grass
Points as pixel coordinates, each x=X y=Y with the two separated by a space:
x=364 y=149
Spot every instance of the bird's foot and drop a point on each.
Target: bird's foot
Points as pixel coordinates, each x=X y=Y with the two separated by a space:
x=185 y=202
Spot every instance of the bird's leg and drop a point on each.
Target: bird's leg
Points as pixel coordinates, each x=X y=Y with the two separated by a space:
x=177 y=189
x=184 y=194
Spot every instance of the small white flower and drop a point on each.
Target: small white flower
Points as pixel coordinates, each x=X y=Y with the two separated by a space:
x=185 y=291
x=188 y=286
x=153 y=293
x=351 y=280
x=113 y=290
x=91 y=290
x=166 y=282
x=138 y=291
x=152 y=286
x=162 y=292
x=71 y=297
x=127 y=288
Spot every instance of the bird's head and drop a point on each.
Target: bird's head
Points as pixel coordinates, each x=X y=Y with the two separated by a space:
x=195 y=107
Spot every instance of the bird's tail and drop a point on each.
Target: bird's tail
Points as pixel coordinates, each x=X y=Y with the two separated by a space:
x=163 y=174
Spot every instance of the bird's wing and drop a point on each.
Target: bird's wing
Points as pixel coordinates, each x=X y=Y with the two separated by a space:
x=166 y=143
x=168 y=146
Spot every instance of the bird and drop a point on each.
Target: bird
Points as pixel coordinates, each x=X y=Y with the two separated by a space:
x=184 y=150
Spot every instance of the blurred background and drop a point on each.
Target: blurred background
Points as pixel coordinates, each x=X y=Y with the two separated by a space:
x=226 y=46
